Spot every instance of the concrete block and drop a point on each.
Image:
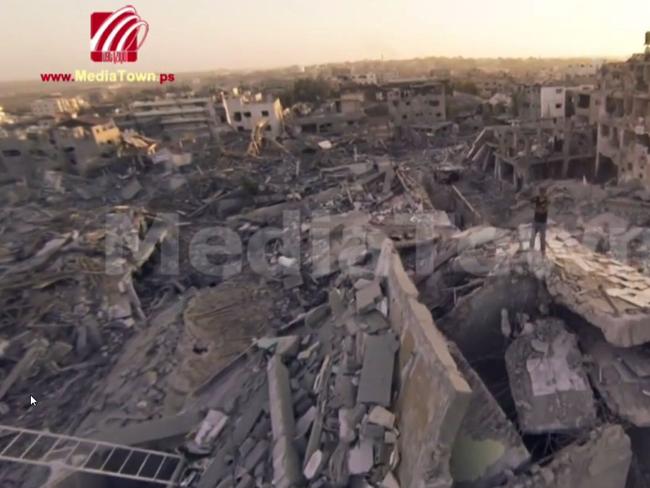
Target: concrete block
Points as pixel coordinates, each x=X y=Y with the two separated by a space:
x=368 y=297
x=380 y=416
x=375 y=384
x=284 y=346
x=153 y=432
x=361 y=458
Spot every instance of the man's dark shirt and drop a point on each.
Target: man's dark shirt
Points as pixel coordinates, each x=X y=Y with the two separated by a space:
x=541 y=209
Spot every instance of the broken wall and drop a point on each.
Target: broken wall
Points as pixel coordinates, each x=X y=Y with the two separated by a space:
x=433 y=396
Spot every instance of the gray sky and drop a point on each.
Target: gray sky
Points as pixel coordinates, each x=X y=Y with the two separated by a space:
x=53 y=35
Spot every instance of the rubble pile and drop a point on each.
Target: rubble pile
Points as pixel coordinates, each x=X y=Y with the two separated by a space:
x=358 y=334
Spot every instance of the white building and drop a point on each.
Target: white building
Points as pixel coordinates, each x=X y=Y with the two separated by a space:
x=245 y=112
x=54 y=106
x=552 y=102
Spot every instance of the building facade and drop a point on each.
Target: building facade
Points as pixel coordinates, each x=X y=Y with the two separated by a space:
x=416 y=102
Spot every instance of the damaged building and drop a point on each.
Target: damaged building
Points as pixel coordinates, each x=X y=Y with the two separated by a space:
x=623 y=133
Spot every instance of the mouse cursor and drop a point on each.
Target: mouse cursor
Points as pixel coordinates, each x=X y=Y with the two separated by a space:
x=32 y=401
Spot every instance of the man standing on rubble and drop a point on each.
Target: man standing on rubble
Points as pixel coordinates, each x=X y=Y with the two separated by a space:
x=539 y=221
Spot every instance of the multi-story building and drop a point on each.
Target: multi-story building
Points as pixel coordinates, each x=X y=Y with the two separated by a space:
x=245 y=112
x=623 y=150
x=55 y=106
x=416 y=102
x=176 y=118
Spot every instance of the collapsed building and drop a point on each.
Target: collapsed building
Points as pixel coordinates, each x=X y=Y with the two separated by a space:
x=529 y=151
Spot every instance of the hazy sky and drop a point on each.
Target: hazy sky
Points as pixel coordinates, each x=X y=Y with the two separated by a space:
x=186 y=35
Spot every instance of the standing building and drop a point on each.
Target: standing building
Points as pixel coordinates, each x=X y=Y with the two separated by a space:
x=245 y=112
x=623 y=150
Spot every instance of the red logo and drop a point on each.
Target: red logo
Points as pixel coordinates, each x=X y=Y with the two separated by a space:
x=115 y=37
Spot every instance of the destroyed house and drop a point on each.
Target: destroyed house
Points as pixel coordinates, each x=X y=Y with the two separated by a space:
x=86 y=142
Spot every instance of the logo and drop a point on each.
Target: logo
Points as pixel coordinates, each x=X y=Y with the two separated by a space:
x=115 y=37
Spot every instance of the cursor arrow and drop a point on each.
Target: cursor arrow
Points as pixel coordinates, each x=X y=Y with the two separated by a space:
x=32 y=401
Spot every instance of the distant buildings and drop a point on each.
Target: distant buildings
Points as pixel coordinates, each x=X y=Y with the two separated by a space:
x=624 y=119
x=245 y=112
x=578 y=70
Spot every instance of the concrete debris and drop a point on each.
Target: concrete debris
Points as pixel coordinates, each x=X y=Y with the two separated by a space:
x=361 y=457
x=210 y=428
x=286 y=466
x=368 y=297
x=375 y=384
x=285 y=346
x=548 y=382
x=380 y=416
x=332 y=295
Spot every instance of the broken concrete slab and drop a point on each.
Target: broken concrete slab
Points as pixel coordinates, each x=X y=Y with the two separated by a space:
x=153 y=433
x=361 y=457
x=380 y=416
x=549 y=384
x=433 y=395
x=284 y=346
x=368 y=297
x=375 y=384
x=286 y=467
x=210 y=428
